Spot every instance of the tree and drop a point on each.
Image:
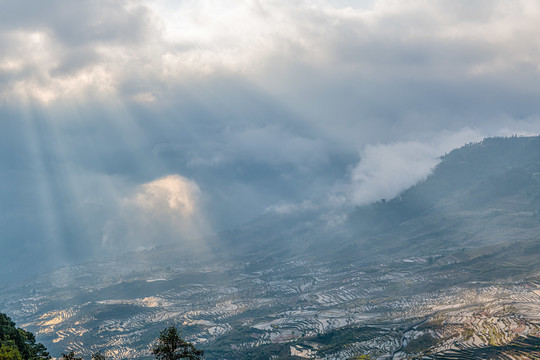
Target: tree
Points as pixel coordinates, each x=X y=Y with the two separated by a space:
x=8 y=351
x=70 y=356
x=18 y=343
x=170 y=346
x=98 y=356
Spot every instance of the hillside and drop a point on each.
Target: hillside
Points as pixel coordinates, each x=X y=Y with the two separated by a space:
x=449 y=268
x=479 y=194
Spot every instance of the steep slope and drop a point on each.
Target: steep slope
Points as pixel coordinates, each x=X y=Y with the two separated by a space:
x=479 y=194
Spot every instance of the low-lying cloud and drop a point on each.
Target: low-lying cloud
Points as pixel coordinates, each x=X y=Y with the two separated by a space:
x=385 y=170
x=167 y=210
x=172 y=195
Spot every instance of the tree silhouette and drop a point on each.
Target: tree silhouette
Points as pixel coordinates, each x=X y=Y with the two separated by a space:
x=170 y=346
x=18 y=343
x=70 y=356
x=98 y=356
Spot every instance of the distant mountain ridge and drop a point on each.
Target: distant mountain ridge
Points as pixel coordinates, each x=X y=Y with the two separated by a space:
x=478 y=194
x=495 y=180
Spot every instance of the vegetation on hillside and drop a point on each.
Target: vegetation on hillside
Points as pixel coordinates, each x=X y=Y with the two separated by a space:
x=18 y=344
x=170 y=346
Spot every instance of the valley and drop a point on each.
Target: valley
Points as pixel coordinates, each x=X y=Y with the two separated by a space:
x=280 y=307
x=449 y=269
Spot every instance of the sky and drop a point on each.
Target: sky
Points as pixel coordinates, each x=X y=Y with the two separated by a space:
x=131 y=123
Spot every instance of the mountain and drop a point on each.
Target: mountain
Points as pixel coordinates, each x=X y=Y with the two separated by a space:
x=448 y=269
x=497 y=177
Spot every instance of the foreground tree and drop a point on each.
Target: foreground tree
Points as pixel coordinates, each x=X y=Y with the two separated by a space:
x=18 y=344
x=98 y=356
x=170 y=346
x=8 y=351
x=70 y=356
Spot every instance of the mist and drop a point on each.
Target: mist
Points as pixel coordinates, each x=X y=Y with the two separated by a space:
x=111 y=113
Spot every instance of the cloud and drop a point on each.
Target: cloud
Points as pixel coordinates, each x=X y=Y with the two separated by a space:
x=255 y=103
x=268 y=144
x=63 y=51
x=163 y=211
x=172 y=195
x=384 y=171
x=280 y=84
x=350 y=57
x=290 y=208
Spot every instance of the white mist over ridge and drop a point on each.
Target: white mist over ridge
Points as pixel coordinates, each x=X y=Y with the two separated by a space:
x=385 y=170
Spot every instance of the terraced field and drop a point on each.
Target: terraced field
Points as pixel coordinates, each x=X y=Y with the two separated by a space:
x=521 y=348
x=310 y=309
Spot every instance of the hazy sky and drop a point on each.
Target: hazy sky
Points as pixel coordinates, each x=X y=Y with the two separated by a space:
x=124 y=124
